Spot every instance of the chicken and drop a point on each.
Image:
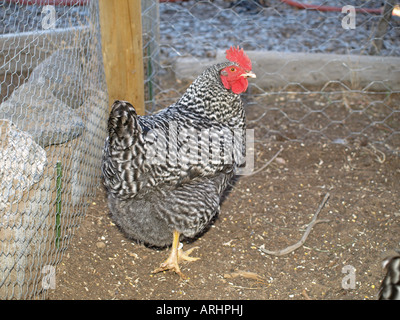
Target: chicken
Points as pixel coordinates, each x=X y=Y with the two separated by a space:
x=165 y=173
x=390 y=287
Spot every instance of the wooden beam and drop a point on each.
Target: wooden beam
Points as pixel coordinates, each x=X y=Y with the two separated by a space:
x=121 y=34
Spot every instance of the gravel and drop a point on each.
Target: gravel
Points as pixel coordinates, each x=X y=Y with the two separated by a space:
x=198 y=28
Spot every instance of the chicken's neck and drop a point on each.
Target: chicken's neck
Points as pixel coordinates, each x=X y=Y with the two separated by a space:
x=213 y=102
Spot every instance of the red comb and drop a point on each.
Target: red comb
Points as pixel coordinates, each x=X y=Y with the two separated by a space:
x=237 y=55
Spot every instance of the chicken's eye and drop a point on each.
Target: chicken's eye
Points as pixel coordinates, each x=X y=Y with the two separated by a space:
x=233 y=69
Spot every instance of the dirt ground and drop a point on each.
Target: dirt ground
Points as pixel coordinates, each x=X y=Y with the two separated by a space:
x=270 y=209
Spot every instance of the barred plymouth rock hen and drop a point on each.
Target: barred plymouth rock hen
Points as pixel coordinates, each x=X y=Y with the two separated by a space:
x=165 y=173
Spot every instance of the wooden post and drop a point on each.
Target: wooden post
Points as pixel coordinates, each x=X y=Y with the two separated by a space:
x=121 y=34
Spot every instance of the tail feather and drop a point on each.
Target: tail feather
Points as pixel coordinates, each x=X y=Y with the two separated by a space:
x=123 y=126
x=122 y=147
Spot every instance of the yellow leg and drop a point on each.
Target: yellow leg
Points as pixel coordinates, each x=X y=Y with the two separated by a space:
x=176 y=256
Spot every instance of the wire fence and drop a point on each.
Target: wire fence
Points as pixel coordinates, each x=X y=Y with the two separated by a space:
x=52 y=128
x=321 y=74
x=330 y=74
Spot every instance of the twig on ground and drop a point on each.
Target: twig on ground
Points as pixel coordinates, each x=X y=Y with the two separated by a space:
x=266 y=164
x=245 y=288
x=303 y=239
x=258 y=170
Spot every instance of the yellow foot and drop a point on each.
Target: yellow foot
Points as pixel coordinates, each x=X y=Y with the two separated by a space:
x=172 y=263
x=184 y=255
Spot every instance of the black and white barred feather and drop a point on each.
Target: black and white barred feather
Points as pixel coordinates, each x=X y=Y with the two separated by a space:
x=390 y=287
x=167 y=171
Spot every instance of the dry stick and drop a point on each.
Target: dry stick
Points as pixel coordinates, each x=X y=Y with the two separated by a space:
x=266 y=164
x=262 y=168
x=297 y=245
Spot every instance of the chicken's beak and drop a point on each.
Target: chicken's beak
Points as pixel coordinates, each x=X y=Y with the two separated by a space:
x=249 y=75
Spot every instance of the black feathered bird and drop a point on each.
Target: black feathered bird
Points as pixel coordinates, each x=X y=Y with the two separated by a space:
x=165 y=173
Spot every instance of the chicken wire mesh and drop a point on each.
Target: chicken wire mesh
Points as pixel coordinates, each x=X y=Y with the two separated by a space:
x=321 y=74
x=52 y=128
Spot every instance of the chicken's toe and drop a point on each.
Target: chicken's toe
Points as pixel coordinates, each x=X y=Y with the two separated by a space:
x=170 y=266
x=172 y=263
x=184 y=255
